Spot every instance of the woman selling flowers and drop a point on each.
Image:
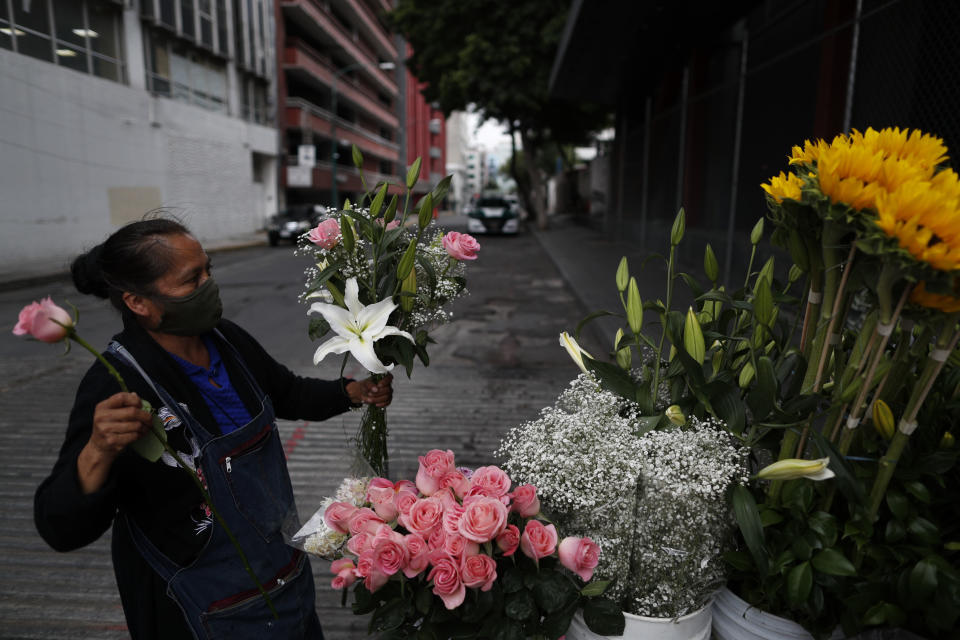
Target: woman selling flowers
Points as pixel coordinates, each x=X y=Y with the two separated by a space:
x=216 y=392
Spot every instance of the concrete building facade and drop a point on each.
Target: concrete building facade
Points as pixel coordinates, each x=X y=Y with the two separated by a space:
x=458 y=145
x=114 y=109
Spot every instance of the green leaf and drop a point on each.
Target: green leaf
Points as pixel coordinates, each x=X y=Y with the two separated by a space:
x=762 y=396
x=512 y=580
x=347 y=234
x=520 y=605
x=884 y=613
x=923 y=531
x=554 y=591
x=595 y=588
x=899 y=505
x=919 y=491
x=923 y=580
x=508 y=630
x=319 y=327
x=825 y=526
x=603 y=617
x=799 y=583
x=413 y=173
x=389 y=616
x=748 y=519
x=426 y=211
x=555 y=625
x=423 y=600
x=440 y=191
x=377 y=203
x=834 y=563
x=589 y=318
x=612 y=377
x=895 y=531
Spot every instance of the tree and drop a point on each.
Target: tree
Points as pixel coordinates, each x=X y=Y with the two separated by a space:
x=496 y=56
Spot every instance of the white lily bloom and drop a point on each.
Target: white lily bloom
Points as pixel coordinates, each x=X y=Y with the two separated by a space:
x=357 y=328
x=567 y=342
x=791 y=468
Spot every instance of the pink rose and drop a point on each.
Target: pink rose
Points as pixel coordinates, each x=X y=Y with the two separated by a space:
x=482 y=519
x=580 y=555
x=39 y=319
x=525 y=501
x=386 y=532
x=418 y=556
x=373 y=578
x=405 y=500
x=338 y=515
x=365 y=520
x=424 y=516
x=478 y=571
x=490 y=481
x=456 y=545
x=446 y=581
x=433 y=467
x=344 y=574
x=451 y=519
x=390 y=225
x=382 y=496
x=461 y=246
x=538 y=541
x=389 y=556
x=325 y=235
x=436 y=539
x=360 y=543
x=456 y=481
x=508 y=540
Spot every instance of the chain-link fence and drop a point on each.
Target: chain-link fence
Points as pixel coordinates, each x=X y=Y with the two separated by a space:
x=722 y=120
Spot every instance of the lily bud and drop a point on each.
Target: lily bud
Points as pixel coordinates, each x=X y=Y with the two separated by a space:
x=634 y=307
x=710 y=265
x=757 y=233
x=792 y=468
x=795 y=273
x=947 y=441
x=693 y=336
x=623 y=275
x=679 y=226
x=746 y=375
x=624 y=358
x=409 y=286
x=883 y=419
x=675 y=415
x=576 y=353
x=617 y=338
x=413 y=173
x=357 y=157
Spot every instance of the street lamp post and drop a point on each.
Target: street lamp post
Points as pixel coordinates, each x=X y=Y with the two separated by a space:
x=335 y=146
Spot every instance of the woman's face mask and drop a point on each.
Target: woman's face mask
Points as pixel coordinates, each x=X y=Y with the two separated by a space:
x=192 y=314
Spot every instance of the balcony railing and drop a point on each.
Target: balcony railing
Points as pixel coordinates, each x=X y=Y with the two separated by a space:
x=384 y=148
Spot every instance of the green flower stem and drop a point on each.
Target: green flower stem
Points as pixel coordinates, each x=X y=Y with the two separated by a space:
x=813 y=308
x=73 y=335
x=156 y=432
x=788 y=447
x=888 y=463
x=829 y=306
x=858 y=405
x=839 y=297
x=663 y=324
x=372 y=436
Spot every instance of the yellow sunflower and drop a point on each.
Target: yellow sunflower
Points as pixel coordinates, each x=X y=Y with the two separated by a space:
x=924 y=217
x=784 y=186
x=921 y=297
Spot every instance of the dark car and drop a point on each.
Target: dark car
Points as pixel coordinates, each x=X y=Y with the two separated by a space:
x=290 y=224
x=493 y=214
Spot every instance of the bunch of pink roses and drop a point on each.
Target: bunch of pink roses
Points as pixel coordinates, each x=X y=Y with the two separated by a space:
x=456 y=523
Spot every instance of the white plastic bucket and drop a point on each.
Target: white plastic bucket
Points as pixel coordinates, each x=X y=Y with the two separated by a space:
x=736 y=619
x=693 y=626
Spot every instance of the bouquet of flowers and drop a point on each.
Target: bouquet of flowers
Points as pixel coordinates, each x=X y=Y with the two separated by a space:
x=379 y=284
x=862 y=331
x=457 y=554
x=654 y=501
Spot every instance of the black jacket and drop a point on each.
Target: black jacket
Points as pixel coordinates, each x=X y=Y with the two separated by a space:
x=161 y=499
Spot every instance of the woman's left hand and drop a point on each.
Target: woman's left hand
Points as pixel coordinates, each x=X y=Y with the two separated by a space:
x=378 y=393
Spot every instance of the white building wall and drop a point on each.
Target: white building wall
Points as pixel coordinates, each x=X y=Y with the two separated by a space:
x=80 y=156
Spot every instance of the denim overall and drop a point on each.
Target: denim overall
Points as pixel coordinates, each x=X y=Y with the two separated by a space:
x=247 y=479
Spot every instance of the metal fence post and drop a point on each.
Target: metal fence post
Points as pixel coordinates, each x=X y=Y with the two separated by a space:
x=735 y=169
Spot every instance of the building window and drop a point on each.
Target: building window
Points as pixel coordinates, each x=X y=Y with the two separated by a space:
x=183 y=72
x=386 y=167
x=79 y=34
x=255 y=103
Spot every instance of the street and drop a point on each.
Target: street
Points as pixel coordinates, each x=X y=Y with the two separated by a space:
x=497 y=364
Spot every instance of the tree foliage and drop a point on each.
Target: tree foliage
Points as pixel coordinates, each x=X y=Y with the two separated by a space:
x=497 y=57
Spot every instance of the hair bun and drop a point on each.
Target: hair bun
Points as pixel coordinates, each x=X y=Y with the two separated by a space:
x=88 y=275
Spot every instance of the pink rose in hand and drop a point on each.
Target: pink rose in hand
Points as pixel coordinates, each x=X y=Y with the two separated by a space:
x=437 y=539
x=367 y=569
x=39 y=319
x=478 y=571
x=456 y=545
x=325 y=235
x=338 y=515
x=580 y=555
x=490 y=481
x=508 y=540
x=382 y=495
x=446 y=581
x=344 y=574
x=538 y=541
x=365 y=521
x=461 y=246
x=455 y=481
x=433 y=467
x=451 y=519
x=360 y=544
x=525 y=501
x=389 y=556
x=405 y=500
x=482 y=519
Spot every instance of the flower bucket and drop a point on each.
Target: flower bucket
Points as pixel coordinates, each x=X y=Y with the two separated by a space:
x=693 y=626
x=736 y=619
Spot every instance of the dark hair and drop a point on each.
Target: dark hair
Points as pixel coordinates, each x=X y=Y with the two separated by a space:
x=131 y=259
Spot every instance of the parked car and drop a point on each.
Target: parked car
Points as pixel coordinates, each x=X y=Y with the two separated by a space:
x=493 y=214
x=290 y=224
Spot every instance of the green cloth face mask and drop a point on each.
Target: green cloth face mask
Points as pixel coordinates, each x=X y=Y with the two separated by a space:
x=192 y=314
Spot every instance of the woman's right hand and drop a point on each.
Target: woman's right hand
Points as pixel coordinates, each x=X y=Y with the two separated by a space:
x=117 y=422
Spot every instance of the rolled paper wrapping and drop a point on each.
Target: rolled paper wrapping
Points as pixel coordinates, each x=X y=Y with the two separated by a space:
x=885 y=329
x=940 y=355
x=814 y=297
x=907 y=427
